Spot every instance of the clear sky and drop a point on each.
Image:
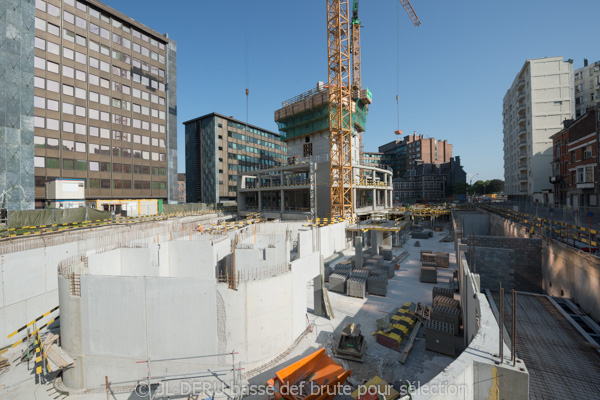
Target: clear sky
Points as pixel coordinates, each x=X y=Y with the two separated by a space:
x=452 y=74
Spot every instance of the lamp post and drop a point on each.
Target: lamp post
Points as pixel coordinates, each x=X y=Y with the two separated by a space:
x=471 y=184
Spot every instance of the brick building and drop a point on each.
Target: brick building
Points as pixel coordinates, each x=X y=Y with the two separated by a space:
x=574 y=166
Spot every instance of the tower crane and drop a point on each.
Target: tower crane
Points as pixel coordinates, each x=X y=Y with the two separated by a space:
x=343 y=39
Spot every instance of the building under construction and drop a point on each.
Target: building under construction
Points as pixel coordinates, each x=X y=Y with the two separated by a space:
x=301 y=188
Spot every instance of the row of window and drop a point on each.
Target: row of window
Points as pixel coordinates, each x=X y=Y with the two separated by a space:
x=97 y=166
x=251 y=139
x=246 y=128
x=81 y=58
x=250 y=149
x=93 y=148
x=53 y=124
x=96 y=183
x=55 y=11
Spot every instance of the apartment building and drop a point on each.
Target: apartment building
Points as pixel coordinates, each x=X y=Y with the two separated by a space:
x=101 y=103
x=540 y=98
x=587 y=87
x=217 y=147
x=401 y=155
x=575 y=164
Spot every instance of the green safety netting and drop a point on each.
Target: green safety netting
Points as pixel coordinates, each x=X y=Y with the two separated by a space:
x=18 y=219
x=317 y=119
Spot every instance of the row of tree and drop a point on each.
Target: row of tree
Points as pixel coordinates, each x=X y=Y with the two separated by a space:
x=479 y=187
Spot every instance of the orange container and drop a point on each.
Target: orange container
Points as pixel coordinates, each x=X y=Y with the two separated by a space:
x=315 y=377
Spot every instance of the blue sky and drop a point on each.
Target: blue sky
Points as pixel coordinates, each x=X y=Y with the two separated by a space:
x=453 y=72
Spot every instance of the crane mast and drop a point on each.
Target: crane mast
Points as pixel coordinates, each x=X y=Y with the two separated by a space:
x=340 y=108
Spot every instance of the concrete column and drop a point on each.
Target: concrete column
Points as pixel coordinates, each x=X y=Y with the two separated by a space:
x=259 y=201
x=385 y=196
x=282 y=202
x=387 y=239
x=374 y=242
x=358 y=247
x=354 y=199
x=374 y=199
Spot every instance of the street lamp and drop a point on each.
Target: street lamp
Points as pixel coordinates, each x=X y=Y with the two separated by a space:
x=471 y=184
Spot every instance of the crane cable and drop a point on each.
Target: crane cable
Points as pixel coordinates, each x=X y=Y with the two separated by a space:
x=246 y=58
x=398 y=64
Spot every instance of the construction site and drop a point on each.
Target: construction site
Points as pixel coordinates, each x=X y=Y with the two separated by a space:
x=316 y=288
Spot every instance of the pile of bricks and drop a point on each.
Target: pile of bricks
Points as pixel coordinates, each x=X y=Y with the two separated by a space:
x=443 y=260
x=427 y=274
x=343 y=269
x=377 y=285
x=441 y=291
x=429 y=259
x=439 y=337
x=356 y=287
x=337 y=283
x=447 y=314
x=386 y=253
x=444 y=301
x=359 y=273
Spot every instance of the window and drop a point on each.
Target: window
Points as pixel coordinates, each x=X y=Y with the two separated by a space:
x=53 y=29
x=67 y=16
x=39 y=122
x=52 y=105
x=80 y=147
x=52 y=124
x=39 y=102
x=52 y=143
x=39 y=162
x=52 y=163
x=53 y=10
x=589 y=174
x=67 y=126
x=68 y=145
x=40 y=43
x=587 y=152
x=80 y=22
x=574 y=157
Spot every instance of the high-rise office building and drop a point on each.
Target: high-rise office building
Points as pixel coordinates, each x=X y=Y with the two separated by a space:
x=536 y=104
x=217 y=147
x=94 y=97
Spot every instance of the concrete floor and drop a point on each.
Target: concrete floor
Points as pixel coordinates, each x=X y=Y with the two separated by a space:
x=420 y=367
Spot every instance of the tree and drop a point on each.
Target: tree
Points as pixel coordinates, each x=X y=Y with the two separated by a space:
x=495 y=186
x=460 y=188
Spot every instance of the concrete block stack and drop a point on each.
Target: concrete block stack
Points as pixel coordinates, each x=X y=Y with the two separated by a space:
x=449 y=315
x=377 y=285
x=429 y=260
x=441 y=291
x=359 y=273
x=372 y=263
x=386 y=253
x=439 y=337
x=427 y=274
x=356 y=287
x=379 y=272
x=442 y=259
x=343 y=269
x=389 y=268
x=349 y=263
x=444 y=301
x=337 y=283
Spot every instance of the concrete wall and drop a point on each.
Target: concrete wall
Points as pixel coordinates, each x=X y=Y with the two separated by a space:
x=332 y=239
x=572 y=273
x=477 y=223
x=28 y=287
x=516 y=262
x=500 y=226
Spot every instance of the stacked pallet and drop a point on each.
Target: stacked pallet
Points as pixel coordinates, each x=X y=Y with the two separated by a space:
x=379 y=272
x=356 y=287
x=359 y=273
x=377 y=258
x=429 y=259
x=443 y=260
x=427 y=274
x=439 y=337
x=337 y=283
x=386 y=253
x=349 y=263
x=441 y=291
x=445 y=301
x=371 y=263
x=391 y=271
x=447 y=314
x=343 y=269
x=377 y=285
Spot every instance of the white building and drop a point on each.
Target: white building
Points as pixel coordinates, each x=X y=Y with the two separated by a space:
x=540 y=98
x=587 y=87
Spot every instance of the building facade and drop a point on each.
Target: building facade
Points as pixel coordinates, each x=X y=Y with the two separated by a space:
x=575 y=164
x=401 y=155
x=217 y=147
x=429 y=182
x=587 y=87
x=97 y=94
x=181 y=188
x=540 y=98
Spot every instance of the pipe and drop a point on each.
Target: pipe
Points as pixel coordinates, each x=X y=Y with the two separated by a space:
x=501 y=318
x=514 y=327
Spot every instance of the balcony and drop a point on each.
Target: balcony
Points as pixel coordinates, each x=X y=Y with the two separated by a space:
x=521 y=96
x=521 y=83
x=522 y=166
x=522 y=155
x=522 y=143
x=523 y=178
x=555 y=179
x=522 y=119
x=522 y=132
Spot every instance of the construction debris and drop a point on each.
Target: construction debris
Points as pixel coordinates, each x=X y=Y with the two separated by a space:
x=401 y=323
x=351 y=343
